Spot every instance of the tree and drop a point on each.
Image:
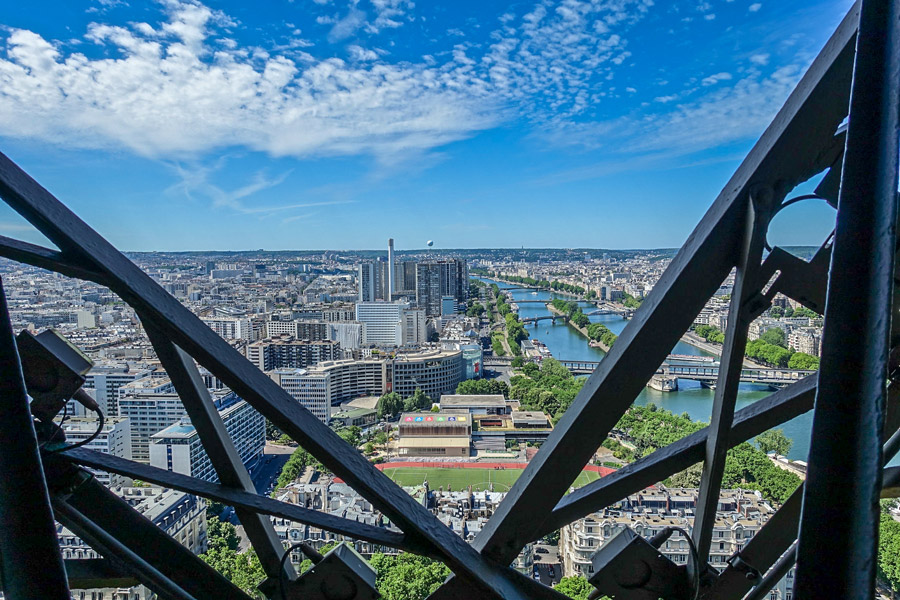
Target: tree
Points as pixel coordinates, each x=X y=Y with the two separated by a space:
x=803 y=361
x=242 y=569
x=776 y=312
x=389 y=405
x=575 y=587
x=775 y=441
x=689 y=478
x=774 y=336
x=889 y=551
x=481 y=387
x=352 y=435
x=407 y=576
x=380 y=438
x=517 y=362
x=221 y=534
x=272 y=432
x=369 y=448
x=420 y=400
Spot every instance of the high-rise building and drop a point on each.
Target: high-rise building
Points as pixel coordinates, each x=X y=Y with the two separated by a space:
x=390 y=271
x=285 y=352
x=415 y=330
x=369 y=282
x=437 y=279
x=301 y=330
x=382 y=322
x=114 y=439
x=178 y=447
x=348 y=334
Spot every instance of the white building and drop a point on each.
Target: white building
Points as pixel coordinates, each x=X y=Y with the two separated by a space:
x=178 y=447
x=106 y=379
x=149 y=413
x=382 y=322
x=114 y=439
x=312 y=390
x=740 y=515
x=348 y=334
x=180 y=515
x=415 y=329
x=231 y=328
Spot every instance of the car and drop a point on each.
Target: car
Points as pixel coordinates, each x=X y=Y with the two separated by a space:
x=550 y=571
x=537 y=575
x=542 y=550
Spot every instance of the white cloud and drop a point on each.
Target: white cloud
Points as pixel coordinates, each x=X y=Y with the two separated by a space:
x=760 y=59
x=754 y=7
x=710 y=17
x=362 y=54
x=714 y=79
x=178 y=92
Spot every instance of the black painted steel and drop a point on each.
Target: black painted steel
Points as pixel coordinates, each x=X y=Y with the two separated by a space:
x=101 y=541
x=31 y=566
x=220 y=449
x=840 y=507
x=746 y=286
x=781 y=406
x=131 y=530
x=250 y=501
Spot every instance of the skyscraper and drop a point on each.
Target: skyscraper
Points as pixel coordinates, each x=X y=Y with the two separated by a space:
x=439 y=278
x=390 y=272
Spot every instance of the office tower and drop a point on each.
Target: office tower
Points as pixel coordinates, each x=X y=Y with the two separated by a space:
x=371 y=285
x=390 y=273
x=406 y=277
x=438 y=278
x=381 y=322
x=178 y=448
x=415 y=329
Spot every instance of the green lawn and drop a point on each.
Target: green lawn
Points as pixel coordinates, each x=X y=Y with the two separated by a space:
x=459 y=479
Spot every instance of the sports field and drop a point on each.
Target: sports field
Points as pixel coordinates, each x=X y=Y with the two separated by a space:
x=460 y=479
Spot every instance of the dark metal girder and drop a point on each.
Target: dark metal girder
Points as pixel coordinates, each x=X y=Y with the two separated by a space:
x=31 y=566
x=45 y=258
x=786 y=154
x=182 y=327
x=220 y=449
x=781 y=406
x=98 y=573
x=100 y=540
x=246 y=500
x=746 y=286
x=845 y=460
x=132 y=533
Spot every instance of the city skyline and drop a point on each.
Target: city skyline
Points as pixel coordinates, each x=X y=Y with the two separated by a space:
x=189 y=126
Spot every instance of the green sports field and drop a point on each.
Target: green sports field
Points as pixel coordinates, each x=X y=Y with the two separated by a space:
x=459 y=479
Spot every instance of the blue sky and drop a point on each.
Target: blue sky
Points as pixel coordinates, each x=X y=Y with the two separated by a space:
x=180 y=125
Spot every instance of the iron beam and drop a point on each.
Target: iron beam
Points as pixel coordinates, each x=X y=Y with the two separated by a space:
x=781 y=406
x=45 y=258
x=220 y=449
x=845 y=461
x=746 y=286
x=31 y=566
x=136 y=534
x=104 y=543
x=238 y=498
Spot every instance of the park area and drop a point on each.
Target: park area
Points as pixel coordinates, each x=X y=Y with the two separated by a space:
x=481 y=478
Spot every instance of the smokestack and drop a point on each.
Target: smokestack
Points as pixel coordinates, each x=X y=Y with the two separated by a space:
x=390 y=283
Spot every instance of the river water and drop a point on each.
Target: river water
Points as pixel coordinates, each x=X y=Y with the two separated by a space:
x=567 y=344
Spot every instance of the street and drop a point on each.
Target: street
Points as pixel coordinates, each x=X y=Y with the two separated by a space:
x=264 y=475
x=546 y=557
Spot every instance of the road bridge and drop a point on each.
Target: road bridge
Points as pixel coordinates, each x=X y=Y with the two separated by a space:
x=706 y=375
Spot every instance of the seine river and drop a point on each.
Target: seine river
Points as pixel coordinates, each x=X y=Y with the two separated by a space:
x=566 y=343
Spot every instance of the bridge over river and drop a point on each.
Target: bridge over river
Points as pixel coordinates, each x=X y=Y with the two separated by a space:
x=707 y=375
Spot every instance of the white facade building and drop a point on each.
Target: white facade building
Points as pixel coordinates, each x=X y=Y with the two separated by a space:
x=114 y=439
x=149 y=413
x=383 y=322
x=178 y=447
x=231 y=328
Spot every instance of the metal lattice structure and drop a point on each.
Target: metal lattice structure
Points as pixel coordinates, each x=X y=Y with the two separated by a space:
x=842 y=119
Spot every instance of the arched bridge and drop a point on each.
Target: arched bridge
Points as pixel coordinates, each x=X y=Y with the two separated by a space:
x=545 y=318
x=706 y=375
